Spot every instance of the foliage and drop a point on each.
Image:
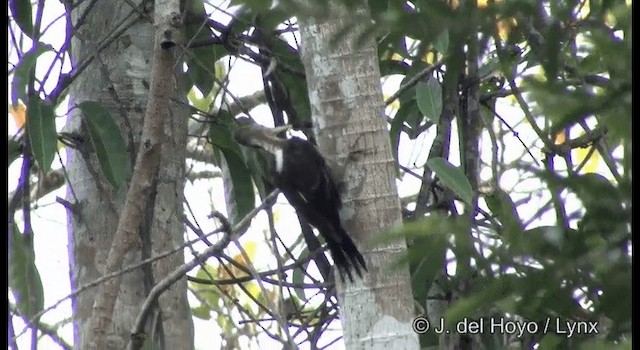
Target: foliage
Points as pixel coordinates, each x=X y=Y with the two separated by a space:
x=566 y=65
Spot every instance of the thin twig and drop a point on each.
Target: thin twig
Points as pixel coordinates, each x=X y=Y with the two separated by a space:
x=123 y=271
x=46 y=329
x=515 y=133
x=179 y=272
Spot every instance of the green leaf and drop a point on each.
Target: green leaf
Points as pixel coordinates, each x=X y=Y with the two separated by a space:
x=394 y=135
x=22 y=14
x=545 y=242
x=596 y=344
x=201 y=64
x=293 y=81
x=242 y=191
x=617 y=294
x=15 y=150
x=221 y=133
x=441 y=42
x=202 y=312
x=430 y=226
x=254 y=5
x=23 y=70
x=426 y=256
x=391 y=67
x=550 y=56
x=482 y=299
x=452 y=177
x=429 y=97
x=221 y=136
x=108 y=143
x=299 y=273
x=210 y=296
x=413 y=117
x=259 y=168
x=550 y=341
x=597 y=193
x=24 y=278
x=41 y=128
x=505 y=211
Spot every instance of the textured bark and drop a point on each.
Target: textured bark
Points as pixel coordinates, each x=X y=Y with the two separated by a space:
x=348 y=115
x=119 y=80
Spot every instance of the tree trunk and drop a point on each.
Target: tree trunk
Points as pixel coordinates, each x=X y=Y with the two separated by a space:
x=347 y=111
x=118 y=79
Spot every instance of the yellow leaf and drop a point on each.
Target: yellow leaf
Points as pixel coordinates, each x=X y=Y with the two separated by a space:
x=585 y=10
x=202 y=103
x=19 y=114
x=253 y=289
x=250 y=248
x=610 y=19
x=505 y=26
x=592 y=163
x=429 y=58
x=396 y=57
x=395 y=105
x=276 y=214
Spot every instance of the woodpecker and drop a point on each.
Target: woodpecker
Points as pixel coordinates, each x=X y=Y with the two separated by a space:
x=302 y=174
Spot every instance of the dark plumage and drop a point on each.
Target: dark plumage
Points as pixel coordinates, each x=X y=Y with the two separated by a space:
x=303 y=176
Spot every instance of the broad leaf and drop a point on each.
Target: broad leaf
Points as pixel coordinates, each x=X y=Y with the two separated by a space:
x=202 y=62
x=482 y=299
x=108 y=143
x=242 y=192
x=429 y=98
x=441 y=42
x=426 y=257
x=22 y=14
x=504 y=209
x=202 y=312
x=452 y=177
x=24 y=278
x=299 y=273
x=221 y=133
x=41 y=128
x=15 y=150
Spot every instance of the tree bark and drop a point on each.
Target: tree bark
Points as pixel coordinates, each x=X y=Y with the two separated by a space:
x=348 y=115
x=118 y=79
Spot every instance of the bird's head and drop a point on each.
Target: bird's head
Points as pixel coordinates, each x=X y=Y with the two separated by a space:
x=255 y=135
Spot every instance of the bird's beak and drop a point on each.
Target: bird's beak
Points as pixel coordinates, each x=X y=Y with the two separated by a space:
x=279 y=129
x=255 y=135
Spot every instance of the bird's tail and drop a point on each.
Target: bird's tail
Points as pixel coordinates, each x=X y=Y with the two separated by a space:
x=346 y=256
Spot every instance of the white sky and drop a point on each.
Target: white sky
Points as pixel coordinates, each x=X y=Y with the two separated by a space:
x=49 y=218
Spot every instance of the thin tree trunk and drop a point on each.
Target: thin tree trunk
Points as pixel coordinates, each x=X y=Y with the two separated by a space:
x=347 y=111
x=118 y=79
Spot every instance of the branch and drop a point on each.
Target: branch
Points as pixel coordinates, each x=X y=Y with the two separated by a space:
x=46 y=184
x=582 y=141
x=413 y=81
x=46 y=329
x=513 y=131
x=118 y=273
x=165 y=283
